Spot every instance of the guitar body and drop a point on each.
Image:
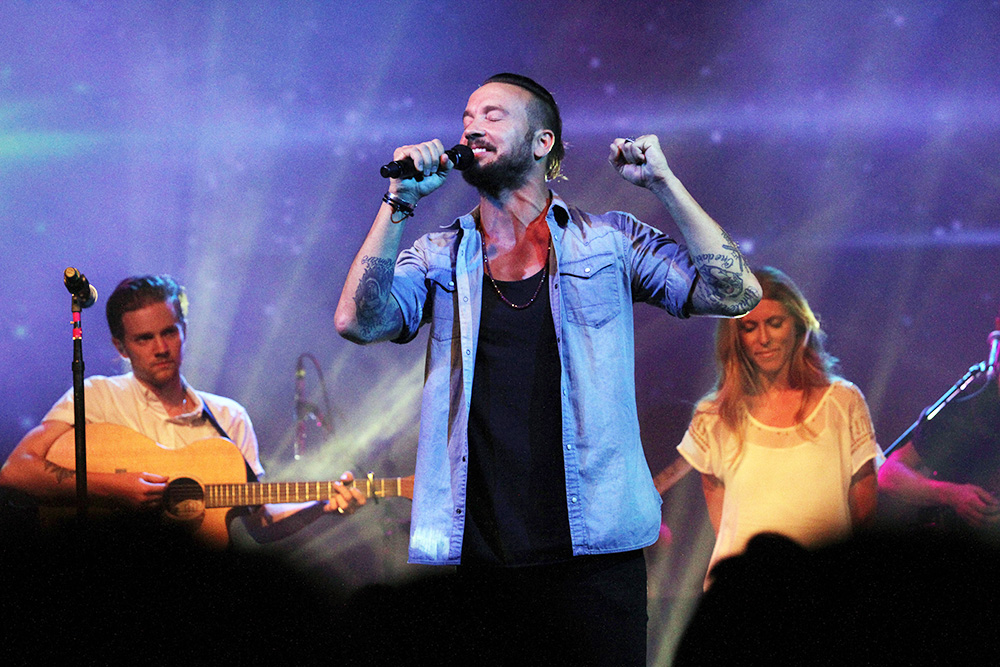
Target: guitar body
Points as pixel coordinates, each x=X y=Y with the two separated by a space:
x=205 y=479
x=118 y=449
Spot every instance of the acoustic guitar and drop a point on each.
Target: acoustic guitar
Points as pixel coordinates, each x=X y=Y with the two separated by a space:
x=206 y=477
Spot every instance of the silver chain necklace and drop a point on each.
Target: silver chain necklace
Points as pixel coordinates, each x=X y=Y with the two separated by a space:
x=545 y=273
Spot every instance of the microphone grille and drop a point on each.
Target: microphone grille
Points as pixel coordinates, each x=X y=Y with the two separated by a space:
x=462 y=156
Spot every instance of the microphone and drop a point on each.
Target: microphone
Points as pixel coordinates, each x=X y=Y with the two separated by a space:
x=80 y=287
x=994 y=341
x=460 y=154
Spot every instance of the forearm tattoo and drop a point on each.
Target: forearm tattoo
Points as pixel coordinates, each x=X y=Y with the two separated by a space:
x=61 y=474
x=373 y=294
x=722 y=285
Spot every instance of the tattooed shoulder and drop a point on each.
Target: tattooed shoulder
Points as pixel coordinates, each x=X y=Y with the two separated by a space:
x=372 y=294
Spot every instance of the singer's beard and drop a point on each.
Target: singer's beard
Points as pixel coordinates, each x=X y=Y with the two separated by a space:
x=506 y=174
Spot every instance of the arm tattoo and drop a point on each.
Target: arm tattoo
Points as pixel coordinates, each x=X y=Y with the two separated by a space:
x=732 y=247
x=373 y=293
x=61 y=474
x=722 y=287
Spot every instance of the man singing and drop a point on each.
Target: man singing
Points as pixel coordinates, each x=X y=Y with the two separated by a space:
x=530 y=472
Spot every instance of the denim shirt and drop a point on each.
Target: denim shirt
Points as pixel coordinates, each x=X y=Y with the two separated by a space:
x=602 y=264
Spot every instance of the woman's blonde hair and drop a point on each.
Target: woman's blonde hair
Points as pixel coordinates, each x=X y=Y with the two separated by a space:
x=811 y=366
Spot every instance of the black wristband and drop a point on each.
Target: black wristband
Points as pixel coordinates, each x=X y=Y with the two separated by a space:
x=399 y=205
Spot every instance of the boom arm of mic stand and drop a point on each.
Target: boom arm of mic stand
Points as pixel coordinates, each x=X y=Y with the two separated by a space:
x=930 y=412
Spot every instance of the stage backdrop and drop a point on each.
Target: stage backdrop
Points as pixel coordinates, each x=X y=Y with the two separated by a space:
x=236 y=146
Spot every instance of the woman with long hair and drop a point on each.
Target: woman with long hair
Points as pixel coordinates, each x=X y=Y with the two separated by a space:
x=783 y=445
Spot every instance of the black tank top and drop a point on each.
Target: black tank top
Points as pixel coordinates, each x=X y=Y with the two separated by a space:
x=516 y=507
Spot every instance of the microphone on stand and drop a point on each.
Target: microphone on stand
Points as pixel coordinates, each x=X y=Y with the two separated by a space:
x=994 y=341
x=80 y=287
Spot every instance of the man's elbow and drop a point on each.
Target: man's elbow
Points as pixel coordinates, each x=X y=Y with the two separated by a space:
x=344 y=323
x=888 y=476
x=347 y=327
x=751 y=297
x=754 y=291
x=723 y=306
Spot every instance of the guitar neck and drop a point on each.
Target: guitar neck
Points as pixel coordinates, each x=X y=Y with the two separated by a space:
x=238 y=495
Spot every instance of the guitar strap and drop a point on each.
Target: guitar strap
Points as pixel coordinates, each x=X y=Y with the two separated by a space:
x=206 y=412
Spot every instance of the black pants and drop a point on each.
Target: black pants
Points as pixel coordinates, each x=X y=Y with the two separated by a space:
x=589 y=610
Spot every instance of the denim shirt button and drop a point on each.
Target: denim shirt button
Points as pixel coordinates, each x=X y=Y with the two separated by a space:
x=587 y=270
x=458 y=510
x=573 y=499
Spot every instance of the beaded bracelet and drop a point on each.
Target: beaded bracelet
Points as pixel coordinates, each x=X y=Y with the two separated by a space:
x=399 y=205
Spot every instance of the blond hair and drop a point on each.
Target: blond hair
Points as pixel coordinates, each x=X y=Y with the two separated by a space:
x=811 y=367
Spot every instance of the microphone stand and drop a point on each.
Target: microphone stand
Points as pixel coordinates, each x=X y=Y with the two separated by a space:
x=300 y=413
x=305 y=410
x=931 y=411
x=79 y=411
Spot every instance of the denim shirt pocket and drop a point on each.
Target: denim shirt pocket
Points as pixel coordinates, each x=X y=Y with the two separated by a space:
x=591 y=287
x=441 y=291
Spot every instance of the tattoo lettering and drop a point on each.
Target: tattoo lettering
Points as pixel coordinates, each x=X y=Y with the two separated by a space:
x=727 y=261
x=734 y=248
x=745 y=304
x=722 y=286
x=373 y=293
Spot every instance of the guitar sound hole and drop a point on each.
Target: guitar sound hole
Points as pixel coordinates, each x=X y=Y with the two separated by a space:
x=184 y=499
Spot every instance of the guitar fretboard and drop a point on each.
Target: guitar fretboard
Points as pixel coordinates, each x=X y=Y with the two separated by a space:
x=237 y=495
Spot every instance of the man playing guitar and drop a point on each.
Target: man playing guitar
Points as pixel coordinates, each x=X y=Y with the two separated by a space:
x=147 y=318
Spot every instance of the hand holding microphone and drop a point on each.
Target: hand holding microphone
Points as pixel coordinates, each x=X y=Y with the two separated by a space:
x=459 y=155
x=420 y=169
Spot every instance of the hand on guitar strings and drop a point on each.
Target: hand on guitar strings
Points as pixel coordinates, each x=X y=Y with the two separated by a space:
x=348 y=498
